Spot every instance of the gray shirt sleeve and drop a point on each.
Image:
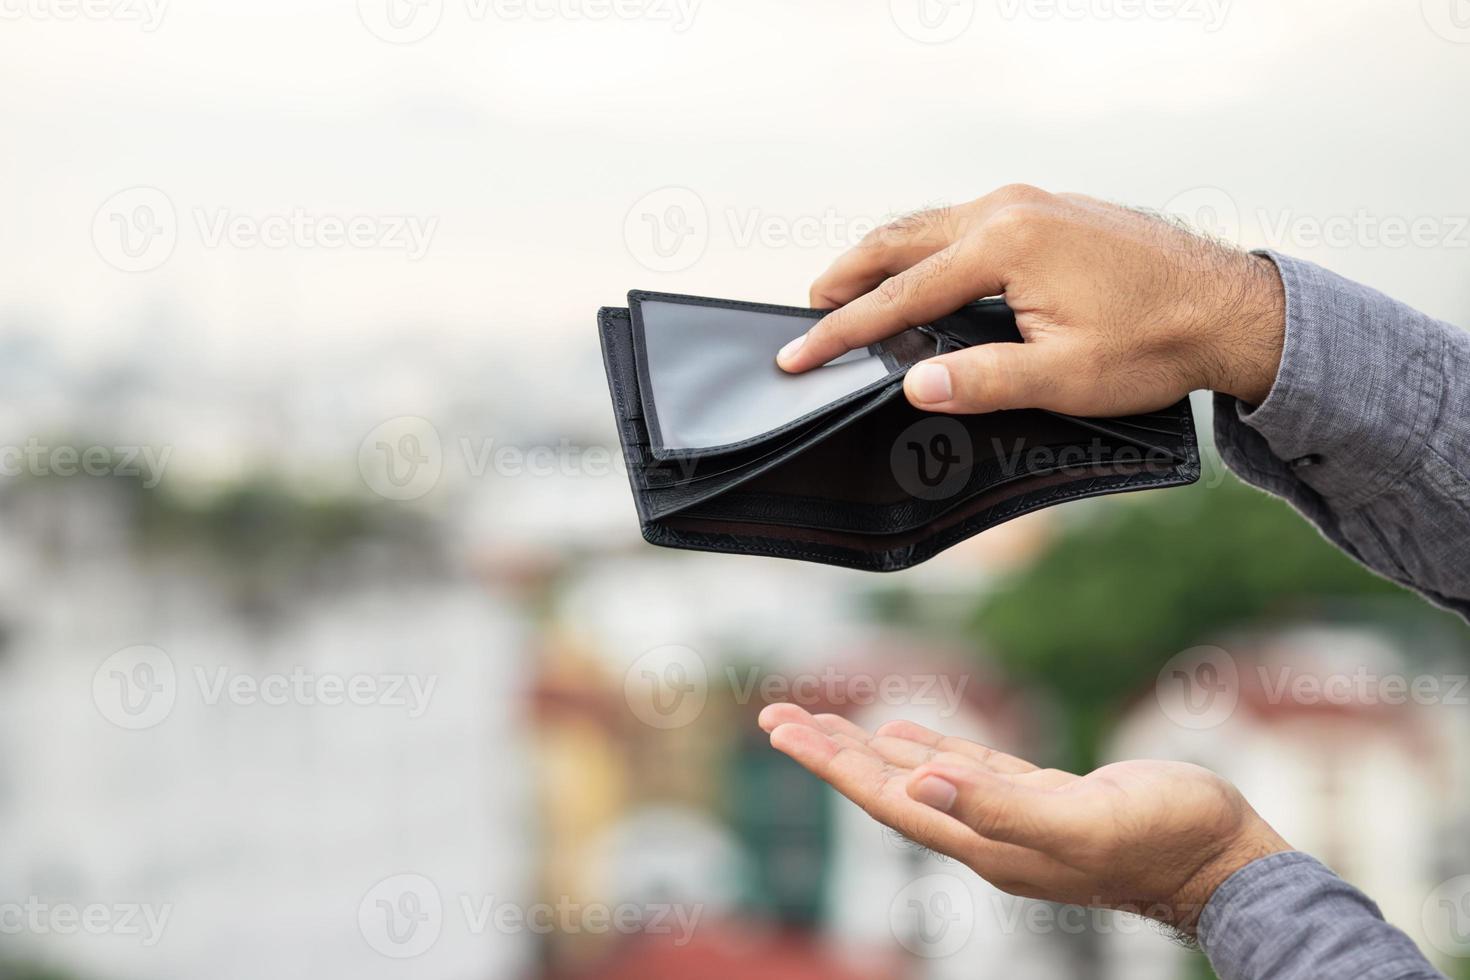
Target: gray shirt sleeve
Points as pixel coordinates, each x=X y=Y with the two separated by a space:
x=1286 y=917
x=1366 y=431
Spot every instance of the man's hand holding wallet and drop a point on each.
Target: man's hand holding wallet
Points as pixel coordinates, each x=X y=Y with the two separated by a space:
x=919 y=413
x=1109 y=318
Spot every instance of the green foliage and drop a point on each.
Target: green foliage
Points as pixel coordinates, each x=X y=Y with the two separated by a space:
x=13 y=970
x=1094 y=619
x=1199 y=968
x=261 y=539
x=253 y=521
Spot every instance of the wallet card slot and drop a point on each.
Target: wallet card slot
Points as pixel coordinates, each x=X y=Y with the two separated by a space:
x=708 y=378
x=912 y=517
x=863 y=479
x=682 y=493
x=907 y=516
x=901 y=550
x=691 y=470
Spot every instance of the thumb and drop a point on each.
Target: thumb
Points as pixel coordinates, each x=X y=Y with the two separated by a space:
x=988 y=378
x=997 y=807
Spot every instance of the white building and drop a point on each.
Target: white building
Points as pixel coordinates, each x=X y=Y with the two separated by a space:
x=1375 y=789
x=247 y=779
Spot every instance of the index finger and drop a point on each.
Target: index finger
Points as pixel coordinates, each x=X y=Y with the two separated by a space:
x=866 y=780
x=910 y=731
x=938 y=285
x=885 y=252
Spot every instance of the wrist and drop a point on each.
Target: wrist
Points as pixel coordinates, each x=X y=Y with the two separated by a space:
x=1255 y=841
x=1249 y=330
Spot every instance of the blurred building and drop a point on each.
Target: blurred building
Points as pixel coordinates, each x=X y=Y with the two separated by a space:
x=257 y=828
x=788 y=878
x=1376 y=790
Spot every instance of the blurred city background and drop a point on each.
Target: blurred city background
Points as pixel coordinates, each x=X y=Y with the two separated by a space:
x=328 y=643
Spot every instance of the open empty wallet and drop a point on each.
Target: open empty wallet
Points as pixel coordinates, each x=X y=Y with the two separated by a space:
x=726 y=452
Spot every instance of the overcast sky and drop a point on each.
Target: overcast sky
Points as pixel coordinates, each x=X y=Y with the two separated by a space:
x=512 y=162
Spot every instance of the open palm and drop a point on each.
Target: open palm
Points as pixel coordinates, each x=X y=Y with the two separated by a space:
x=1154 y=838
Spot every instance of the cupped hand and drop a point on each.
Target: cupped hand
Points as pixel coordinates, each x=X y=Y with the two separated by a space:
x=1120 y=312
x=1153 y=838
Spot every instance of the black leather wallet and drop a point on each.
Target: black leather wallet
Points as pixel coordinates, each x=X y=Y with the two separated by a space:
x=726 y=452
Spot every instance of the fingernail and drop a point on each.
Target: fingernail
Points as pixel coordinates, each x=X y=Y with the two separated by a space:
x=930 y=383
x=789 y=351
x=935 y=792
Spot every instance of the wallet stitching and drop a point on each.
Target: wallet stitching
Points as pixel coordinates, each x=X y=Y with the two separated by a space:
x=632 y=449
x=644 y=379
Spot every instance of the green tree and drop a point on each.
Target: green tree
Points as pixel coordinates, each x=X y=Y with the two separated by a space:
x=1094 y=618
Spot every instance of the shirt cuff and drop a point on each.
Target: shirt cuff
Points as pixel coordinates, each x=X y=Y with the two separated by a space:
x=1288 y=916
x=1355 y=399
